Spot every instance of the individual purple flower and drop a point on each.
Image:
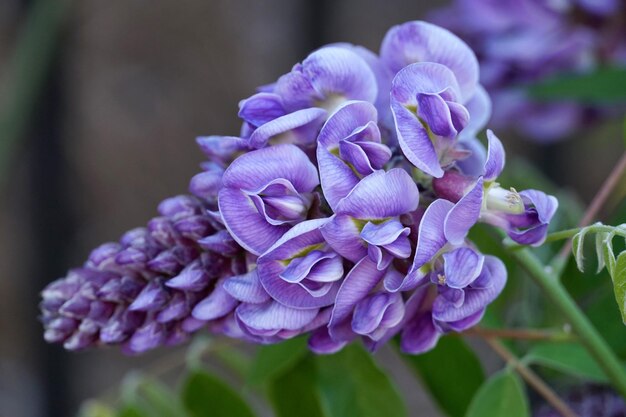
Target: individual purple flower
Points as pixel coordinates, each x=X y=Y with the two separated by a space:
x=301 y=270
x=363 y=309
x=425 y=102
x=262 y=319
x=525 y=215
x=366 y=222
x=416 y=41
x=266 y=192
x=300 y=101
x=462 y=283
x=349 y=148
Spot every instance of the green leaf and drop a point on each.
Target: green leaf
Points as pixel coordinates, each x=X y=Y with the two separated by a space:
x=272 y=360
x=351 y=384
x=600 y=239
x=604 y=85
x=502 y=395
x=609 y=256
x=569 y=358
x=294 y=393
x=451 y=360
x=206 y=395
x=578 y=243
x=619 y=284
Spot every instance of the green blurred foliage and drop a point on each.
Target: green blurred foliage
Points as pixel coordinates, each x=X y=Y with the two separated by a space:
x=451 y=360
x=501 y=395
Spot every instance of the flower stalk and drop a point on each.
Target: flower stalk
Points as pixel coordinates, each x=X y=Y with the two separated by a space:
x=589 y=336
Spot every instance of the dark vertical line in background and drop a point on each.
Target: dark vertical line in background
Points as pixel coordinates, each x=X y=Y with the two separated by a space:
x=52 y=228
x=314 y=20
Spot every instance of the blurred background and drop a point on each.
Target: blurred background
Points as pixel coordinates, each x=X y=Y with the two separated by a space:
x=100 y=103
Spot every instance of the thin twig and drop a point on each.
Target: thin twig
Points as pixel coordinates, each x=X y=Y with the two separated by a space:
x=520 y=334
x=594 y=208
x=531 y=378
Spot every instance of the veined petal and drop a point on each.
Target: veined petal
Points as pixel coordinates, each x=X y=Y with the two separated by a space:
x=261 y=108
x=246 y=288
x=363 y=277
x=495 y=157
x=381 y=310
x=381 y=195
x=475 y=299
x=342 y=234
x=462 y=266
x=435 y=112
x=464 y=215
x=272 y=316
x=255 y=169
x=414 y=140
x=424 y=42
x=479 y=108
x=430 y=240
x=301 y=285
x=424 y=78
x=338 y=71
x=264 y=133
x=347 y=118
x=244 y=222
x=337 y=178
x=384 y=233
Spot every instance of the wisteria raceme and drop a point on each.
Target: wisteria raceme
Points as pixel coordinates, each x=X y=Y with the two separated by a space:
x=341 y=211
x=521 y=42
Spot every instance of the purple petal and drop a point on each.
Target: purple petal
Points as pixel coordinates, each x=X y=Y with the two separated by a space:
x=192 y=278
x=461 y=267
x=363 y=277
x=271 y=266
x=495 y=157
x=346 y=119
x=321 y=343
x=414 y=141
x=378 y=311
x=218 y=304
x=151 y=298
x=381 y=195
x=337 y=178
x=383 y=233
x=332 y=72
x=273 y=317
x=464 y=215
x=284 y=124
x=479 y=108
x=246 y=288
x=342 y=234
x=424 y=42
x=255 y=169
x=261 y=108
x=475 y=299
x=435 y=112
x=430 y=240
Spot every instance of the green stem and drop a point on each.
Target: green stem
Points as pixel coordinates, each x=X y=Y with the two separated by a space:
x=589 y=336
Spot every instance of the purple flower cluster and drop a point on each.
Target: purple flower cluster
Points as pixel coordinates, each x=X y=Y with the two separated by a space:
x=341 y=211
x=522 y=42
